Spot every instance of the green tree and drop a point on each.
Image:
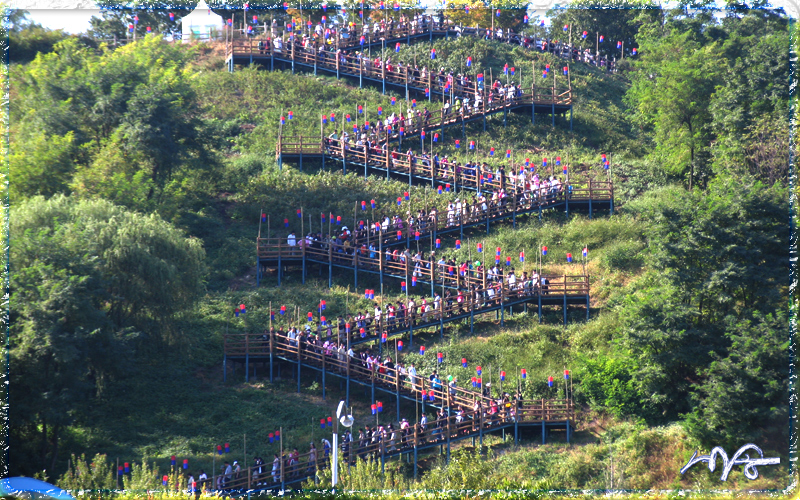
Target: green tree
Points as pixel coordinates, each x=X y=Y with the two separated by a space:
x=131 y=116
x=672 y=88
x=93 y=285
x=27 y=38
x=116 y=17
x=617 y=21
x=506 y=14
x=745 y=393
x=41 y=165
x=716 y=255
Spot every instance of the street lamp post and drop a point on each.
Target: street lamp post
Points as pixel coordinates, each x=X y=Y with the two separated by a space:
x=346 y=421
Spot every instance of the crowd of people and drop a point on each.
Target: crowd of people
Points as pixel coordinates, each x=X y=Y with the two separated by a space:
x=373 y=441
x=329 y=37
x=365 y=238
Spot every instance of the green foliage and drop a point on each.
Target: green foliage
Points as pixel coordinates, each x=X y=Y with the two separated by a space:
x=671 y=94
x=113 y=351
x=680 y=316
x=700 y=83
x=122 y=122
x=505 y=14
x=27 y=38
x=747 y=388
x=143 y=476
x=623 y=255
x=41 y=165
x=617 y=21
x=89 y=278
x=116 y=16
x=607 y=383
x=743 y=226
x=467 y=470
x=84 y=475
x=365 y=475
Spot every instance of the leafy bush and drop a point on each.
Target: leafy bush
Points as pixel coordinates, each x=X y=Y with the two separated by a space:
x=623 y=255
x=84 y=475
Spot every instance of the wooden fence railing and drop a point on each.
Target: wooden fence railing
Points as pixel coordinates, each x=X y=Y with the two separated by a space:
x=431 y=313
x=386 y=443
x=339 y=39
x=370 y=237
x=468 y=412
x=356 y=65
x=397 y=264
x=447 y=174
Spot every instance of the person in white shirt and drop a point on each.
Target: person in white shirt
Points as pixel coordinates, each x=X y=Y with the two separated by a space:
x=412 y=376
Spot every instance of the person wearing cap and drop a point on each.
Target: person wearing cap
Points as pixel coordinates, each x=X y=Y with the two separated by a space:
x=451 y=383
x=237 y=469
x=326 y=447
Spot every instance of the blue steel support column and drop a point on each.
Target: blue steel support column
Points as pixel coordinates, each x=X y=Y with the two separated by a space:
x=480 y=430
x=567 y=431
x=323 y=377
x=415 y=460
x=587 y=307
x=502 y=307
x=553 y=114
x=441 y=318
x=246 y=362
x=270 y=357
x=540 y=305
x=279 y=266
x=565 y=302
x=298 y=368
x=224 y=368
x=542 y=429
x=472 y=318
x=383 y=51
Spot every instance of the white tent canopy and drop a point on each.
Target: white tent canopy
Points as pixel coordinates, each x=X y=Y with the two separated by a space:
x=201 y=23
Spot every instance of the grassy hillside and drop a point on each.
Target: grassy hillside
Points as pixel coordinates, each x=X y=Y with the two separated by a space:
x=668 y=332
